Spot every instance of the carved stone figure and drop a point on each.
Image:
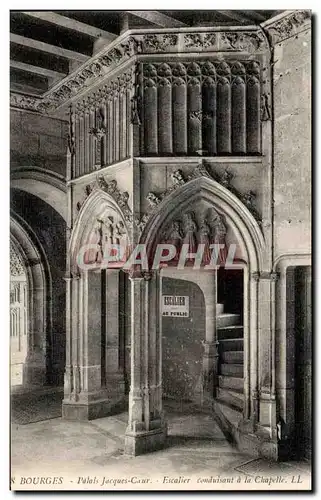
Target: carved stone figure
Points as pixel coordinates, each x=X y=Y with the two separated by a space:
x=110 y=231
x=265 y=108
x=205 y=234
x=175 y=237
x=190 y=229
x=135 y=110
x=220 y=231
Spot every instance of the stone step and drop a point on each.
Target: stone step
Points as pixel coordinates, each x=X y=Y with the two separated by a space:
x=228 y=418
x=219 y=309
x=230 y=398
x=234 y=383
x=232 y=357
x=230 y=345
x=230 y=332
x=231 y=370
x=227 y=319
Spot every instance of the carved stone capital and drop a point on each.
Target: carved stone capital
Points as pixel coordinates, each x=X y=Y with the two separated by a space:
x=265 y=276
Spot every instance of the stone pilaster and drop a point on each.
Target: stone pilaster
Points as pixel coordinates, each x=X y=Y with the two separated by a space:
x=89 y=393
x=146 y=429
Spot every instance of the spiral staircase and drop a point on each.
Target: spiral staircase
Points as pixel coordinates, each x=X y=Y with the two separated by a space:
x=228 y=404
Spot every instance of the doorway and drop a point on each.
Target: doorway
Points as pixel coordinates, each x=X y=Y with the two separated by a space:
x=303 y=363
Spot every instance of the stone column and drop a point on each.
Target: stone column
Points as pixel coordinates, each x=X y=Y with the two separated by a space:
x=146 y=430
x=210 y=354
x=253 y=348
x=72 y=373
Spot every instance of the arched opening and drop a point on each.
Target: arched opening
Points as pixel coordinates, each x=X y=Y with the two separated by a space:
x=202 y=212
x=18 y=317
x=45 y=184
x=97 y=374
x=30 y=285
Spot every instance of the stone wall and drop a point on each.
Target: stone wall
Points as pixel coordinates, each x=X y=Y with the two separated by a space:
x=292 y=144
x=38 y=141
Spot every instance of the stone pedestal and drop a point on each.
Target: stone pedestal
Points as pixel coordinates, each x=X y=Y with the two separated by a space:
x=146 y=429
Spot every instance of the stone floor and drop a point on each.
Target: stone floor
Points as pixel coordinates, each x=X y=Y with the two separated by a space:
x=89 y=455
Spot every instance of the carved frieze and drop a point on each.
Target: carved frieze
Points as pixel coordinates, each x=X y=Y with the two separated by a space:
x=25 y=102
x=159 y=42
x=206 y=229
x=288 y=26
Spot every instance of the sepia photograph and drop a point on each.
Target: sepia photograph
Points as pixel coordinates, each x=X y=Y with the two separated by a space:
x=160 y=250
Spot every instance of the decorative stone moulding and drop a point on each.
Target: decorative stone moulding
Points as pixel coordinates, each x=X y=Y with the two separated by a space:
x=179 y=179
x=132 y=44
x=16 y=265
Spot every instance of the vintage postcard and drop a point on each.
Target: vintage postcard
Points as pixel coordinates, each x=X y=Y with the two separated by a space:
x=160 y=250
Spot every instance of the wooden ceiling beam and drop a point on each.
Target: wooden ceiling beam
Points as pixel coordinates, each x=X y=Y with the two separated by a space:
x=38 y=70
x=72 y=24
x=158 y=18
x=48 y=48
x=236 y=16
x=255 y=15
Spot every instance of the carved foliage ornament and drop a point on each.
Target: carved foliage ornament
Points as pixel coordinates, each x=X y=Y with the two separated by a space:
x=16 y=264
x=110 y=187
x=179 y=179
x=288 y=25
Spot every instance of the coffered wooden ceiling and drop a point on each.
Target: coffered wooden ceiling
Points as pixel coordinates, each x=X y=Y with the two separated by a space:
x=46 y=46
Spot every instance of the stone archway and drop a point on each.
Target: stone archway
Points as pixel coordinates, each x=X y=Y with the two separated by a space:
x=147 y=429
x=38 y=360
x=45 y=184
x=94 y=374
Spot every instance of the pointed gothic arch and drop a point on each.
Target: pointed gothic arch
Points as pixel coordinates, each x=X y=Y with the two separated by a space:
x=47 y=185
x=38 y=355
x=98 y=206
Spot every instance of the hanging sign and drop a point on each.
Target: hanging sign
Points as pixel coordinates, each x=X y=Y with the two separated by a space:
x=175 y=306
